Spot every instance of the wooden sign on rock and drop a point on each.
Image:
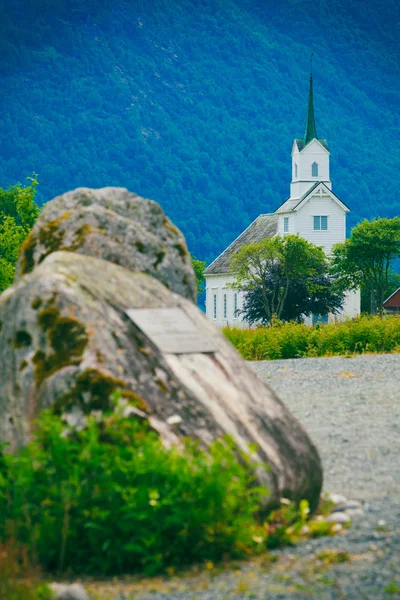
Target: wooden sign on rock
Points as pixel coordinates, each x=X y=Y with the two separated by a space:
x=171 y=330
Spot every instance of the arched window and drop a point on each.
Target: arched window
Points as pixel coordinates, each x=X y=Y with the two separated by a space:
x=295 y=170
x=314 y=169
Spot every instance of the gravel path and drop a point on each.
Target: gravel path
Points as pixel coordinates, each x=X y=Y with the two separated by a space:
x=351 y=409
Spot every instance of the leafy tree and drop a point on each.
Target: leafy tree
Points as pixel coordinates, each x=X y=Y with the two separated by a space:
x=284 y=277
x=306 y=295
x=18 y=213
x=198 y=267
x=365 y=259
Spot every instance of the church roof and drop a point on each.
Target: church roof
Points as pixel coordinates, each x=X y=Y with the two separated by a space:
x=311 y=129
x=265 y=226
x=291 y=204
x=301 y=144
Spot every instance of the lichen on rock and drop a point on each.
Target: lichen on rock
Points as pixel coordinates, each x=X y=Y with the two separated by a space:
x=115 y=225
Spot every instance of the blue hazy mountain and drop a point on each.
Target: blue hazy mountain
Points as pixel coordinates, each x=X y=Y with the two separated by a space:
x=195 y=103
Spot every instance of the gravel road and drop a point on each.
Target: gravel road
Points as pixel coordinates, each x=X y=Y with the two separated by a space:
x=351 y=409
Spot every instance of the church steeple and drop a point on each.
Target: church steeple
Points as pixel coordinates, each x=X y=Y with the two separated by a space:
x=310 y=155
x=311 y=130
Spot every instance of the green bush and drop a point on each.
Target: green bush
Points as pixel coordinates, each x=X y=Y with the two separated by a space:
x=288 y=340
x=111 y=499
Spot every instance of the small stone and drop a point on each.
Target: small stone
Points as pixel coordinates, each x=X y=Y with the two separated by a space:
x=348 y=505
x=335 y=498
x=285 y=501
x=354 y=512
x=381 y=523
x=64 y=591
x=305 y=530
x=336 y=528
x=338 y=517
x=174 y=420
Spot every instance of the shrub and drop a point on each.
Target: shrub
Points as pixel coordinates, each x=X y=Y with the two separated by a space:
x=288 y=340
x=111 y=499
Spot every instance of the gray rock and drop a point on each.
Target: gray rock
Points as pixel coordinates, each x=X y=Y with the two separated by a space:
x=338 y=517
x=335 y=498
x=116 y=225
x=354 y=512
x=64 y=591
x=348 y=505
x=66 y=339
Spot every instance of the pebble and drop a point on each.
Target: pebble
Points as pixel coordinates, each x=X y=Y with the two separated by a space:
x=354 y=512
x=335 y=498
x=63 y=591
x=338 y=517
x=348 y=505
x=381 y=523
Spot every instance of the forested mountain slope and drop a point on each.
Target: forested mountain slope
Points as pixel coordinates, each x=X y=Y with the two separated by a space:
x=195 y=103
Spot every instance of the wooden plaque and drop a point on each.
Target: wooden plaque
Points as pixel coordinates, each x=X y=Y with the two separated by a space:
x=171 y=330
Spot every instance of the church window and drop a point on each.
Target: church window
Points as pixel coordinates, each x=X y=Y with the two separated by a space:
x=225 y=306
x=321 y=223
x=235 y=304
x=295 y=170
x=314 y=169
x=215 y=306
x=285 y=224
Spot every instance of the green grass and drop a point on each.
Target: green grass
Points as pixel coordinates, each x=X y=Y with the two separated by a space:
x=289 y=340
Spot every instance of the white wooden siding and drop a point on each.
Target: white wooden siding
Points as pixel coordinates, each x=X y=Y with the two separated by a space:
x=321 y=206
x=314 y=152
x=218 y=284
x=292 y=223
x=352 y=304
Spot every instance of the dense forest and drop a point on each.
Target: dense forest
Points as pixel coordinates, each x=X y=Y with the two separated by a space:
x=195 y=103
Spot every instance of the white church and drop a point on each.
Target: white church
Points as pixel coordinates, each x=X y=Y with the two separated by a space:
x=312 y=211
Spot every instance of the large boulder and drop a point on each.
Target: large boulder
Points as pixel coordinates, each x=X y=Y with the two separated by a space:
x=116 y=225
x=67 y=341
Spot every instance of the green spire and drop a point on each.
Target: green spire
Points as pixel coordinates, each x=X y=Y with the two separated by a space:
x=311 y=130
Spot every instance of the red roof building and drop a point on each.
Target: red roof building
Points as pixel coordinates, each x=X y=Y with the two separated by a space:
x=392 y=304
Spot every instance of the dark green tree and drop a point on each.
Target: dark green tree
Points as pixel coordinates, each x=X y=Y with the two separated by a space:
x=198 y=267
x=284 y=277
x=366 y=258
x=18 y=213
x=306 y=296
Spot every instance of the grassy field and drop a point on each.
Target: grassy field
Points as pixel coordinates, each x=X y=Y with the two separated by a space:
x=291 y=340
